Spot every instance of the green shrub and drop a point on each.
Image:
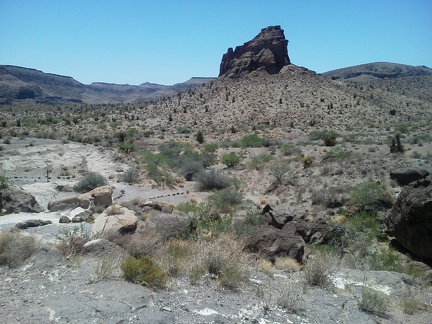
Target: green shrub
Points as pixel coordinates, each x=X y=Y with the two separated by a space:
x=338 y=153
x=210 y=147
x=144 y=271
x=208 y=180
x=368 y=193
x=187 y=207
x=253 y=140
x=89 y=182
x=322 y=134
x=329 y=140
x=231 y=159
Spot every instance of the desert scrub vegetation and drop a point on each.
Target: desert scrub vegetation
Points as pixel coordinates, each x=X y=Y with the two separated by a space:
x=72 y=240
x=319 y=268
x=279 y=168
x=15 y=247
x=373 y=302
x=89 y=182
x=145 y=271
x=231 y=159
x=253 y=140
x=370 y=193
x=209 y=180
x=259 y=161
x=131 y=175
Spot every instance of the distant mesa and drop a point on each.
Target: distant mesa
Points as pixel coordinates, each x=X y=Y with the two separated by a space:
x=268 y=51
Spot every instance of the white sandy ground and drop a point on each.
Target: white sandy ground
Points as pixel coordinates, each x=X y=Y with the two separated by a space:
x=25 y=166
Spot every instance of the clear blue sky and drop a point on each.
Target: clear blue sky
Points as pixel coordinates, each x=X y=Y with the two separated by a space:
x=166 y=42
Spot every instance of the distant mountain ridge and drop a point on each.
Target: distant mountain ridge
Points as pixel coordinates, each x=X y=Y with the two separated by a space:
x=381 y=70
x=18 y=84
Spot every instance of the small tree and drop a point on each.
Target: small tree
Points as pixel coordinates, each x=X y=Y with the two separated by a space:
x=200 y=137
x=279 y=168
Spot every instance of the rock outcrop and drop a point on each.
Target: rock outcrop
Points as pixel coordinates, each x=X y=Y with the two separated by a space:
x=16 y=199
x=405 y=176
x=268 y=51
x=410 y=219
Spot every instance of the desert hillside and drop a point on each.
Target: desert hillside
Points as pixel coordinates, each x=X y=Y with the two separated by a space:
x=270 y=194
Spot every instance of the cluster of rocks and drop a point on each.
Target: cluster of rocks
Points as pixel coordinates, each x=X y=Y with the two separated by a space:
x=287 y=235
x=267 y=51
x=32 y=223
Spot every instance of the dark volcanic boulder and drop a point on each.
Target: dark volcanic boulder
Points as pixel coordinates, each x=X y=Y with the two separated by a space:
x=16 y=200
x=405 y=176
x=410 y=219
x=270 y=242
x=268 y=50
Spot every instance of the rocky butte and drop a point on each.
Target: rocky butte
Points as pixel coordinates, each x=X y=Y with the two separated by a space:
x=268 y=51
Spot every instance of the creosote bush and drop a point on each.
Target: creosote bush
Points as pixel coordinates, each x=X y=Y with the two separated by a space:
x=208 y=180
x=231 y=159
x=89 y=182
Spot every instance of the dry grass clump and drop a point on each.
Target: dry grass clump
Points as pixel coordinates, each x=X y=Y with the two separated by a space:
x=289 y=296
x=410 y=305
x=373 y=302
x=282 y=263
x=16 y=247
x=319 y=268
x=221 y=259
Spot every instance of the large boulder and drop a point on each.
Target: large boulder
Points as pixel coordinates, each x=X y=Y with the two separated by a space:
x=405 y=176
x=101 y=196
x=115 y=219
x=71 y=201
x=270 y=242
x=268 y=51
x=16 y=199
x=410 y=219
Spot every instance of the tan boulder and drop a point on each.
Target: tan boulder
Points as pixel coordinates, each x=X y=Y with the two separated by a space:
x=115 y=219
x=71 y=201
x=99 y=196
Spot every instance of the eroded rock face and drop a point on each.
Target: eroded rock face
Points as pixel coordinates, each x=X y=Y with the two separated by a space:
x=16 y=199
x=268 y=50
x=410 y=219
